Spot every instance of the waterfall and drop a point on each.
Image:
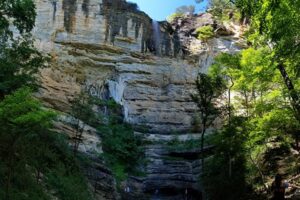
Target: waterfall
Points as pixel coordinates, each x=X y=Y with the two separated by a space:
x=156 y=36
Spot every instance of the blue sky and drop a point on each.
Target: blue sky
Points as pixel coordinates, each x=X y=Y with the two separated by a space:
x=160 y=9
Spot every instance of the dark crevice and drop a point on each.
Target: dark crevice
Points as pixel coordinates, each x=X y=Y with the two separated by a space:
x=54 y=4
x=70 y=8
x=85 y=7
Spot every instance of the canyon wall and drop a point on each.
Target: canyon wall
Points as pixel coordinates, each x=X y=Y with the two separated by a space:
x=113 y=50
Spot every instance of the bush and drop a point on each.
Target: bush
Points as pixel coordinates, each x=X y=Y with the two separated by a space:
x=190 y=144
x=64 y=177
x=68 y=183
x=204 y=33
x=226 y=171
x=171 y=18
x=122 y=149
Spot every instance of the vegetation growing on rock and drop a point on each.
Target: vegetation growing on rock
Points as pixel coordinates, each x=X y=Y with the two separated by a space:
x=174 y=16
x=35 y=160
x=122 y=149
x=205 y=33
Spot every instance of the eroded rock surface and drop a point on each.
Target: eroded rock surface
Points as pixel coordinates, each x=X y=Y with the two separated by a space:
x=112 y=50
x=154 y=90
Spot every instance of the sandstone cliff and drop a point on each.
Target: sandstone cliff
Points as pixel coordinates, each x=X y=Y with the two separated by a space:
x=111 y=49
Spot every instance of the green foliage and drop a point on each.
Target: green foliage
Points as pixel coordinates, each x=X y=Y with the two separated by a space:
x=21 y=13
x=23 y=122
x=181 y=12
x=35 y=161
x=82 y=113
x=171 y=18
x=22 y=111
x=68 y=183
x=113 y=108
x=261 y=99
x=63 y=176
x=18 y=63
x=19 y=59
x=277 y=23
x=122 y=149
x=205 y=33
x=175 y=144
x=251 y=74
x=82 y=109
x=209 y=89
x=221 y=9
x=120 y=142
x=118 y=169
x=29 y=151
x=231 y=155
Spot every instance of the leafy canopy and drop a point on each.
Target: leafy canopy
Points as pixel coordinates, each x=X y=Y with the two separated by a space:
x=19 y=59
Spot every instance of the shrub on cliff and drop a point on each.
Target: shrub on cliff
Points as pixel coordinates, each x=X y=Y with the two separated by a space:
x=205 y=33
x=171 y=18
x=122 y=148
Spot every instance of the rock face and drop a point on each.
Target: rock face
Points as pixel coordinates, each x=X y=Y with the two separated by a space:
x=101 y=179
x=171 y=177
x=111 y=49
x=154 y=90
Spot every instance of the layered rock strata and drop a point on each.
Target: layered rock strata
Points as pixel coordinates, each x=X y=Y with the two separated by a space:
x=113 y=50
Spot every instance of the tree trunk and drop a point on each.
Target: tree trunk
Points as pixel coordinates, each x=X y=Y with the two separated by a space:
x=247 y=103
x=202 y=147
x=229 y=101
x=230 y=167
x=297 y=140
x=77 y=138
x=9 y=175
x=229 y=107
x=260 y=173
x=289 y=84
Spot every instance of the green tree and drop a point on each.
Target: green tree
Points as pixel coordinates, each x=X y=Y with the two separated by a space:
x=31 y=152
x=226 y=65
x=262 y=99
x=122 y=148
x=19 y=59
x=208 y=90
x=221 y=8
x=21 y=13
x=171 y=18
x=82 y=113
x=276 y=24
x=230 y=153
x=22 y=120
x=181 y=12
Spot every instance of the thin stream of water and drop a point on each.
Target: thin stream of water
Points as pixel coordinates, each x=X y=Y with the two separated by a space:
x=156 y=36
